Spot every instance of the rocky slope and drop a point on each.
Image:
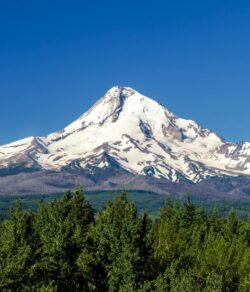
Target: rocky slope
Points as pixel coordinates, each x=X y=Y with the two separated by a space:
x=124 y=137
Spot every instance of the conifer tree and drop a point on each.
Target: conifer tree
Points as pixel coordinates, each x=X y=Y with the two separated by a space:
x=16 y=250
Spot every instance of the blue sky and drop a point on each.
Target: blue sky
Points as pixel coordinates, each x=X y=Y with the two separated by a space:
x=58 y=57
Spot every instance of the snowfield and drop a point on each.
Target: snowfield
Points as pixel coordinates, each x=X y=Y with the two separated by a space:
x=131 y=131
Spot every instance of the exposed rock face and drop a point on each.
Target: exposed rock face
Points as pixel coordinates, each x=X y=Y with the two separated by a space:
x=131 y=134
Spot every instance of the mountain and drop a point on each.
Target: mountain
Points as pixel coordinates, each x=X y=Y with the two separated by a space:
x=127 y=140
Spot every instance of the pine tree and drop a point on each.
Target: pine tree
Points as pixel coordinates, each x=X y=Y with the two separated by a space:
x=118 y=240
x=16 y=250
x=61 y=226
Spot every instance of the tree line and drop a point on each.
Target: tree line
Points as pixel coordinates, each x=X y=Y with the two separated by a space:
x=64 y=246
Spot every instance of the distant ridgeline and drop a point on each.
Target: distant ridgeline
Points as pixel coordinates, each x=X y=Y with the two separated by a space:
x=65 y=246
x=144 y=201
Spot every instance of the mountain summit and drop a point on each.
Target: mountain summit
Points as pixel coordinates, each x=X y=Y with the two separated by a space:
x=129 y=133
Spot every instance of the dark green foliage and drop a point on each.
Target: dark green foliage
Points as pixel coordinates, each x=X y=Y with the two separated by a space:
x=62 y=247
x=40 y=250
x=119 y=248
x=196 y=253
x=16 y=249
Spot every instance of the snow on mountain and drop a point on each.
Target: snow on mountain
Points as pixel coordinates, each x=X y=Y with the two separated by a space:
x=128 y=130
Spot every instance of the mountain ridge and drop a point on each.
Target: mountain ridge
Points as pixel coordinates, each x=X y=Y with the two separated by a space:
x=128 y=131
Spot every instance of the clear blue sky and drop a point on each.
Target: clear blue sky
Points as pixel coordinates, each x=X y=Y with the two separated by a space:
x=58 y=57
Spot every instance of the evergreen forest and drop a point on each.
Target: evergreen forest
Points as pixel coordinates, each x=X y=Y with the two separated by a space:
x=64 y=245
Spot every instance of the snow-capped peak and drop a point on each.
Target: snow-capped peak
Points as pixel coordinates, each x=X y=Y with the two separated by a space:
x=138 y=135
x=107 y=108
x=117 y=91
